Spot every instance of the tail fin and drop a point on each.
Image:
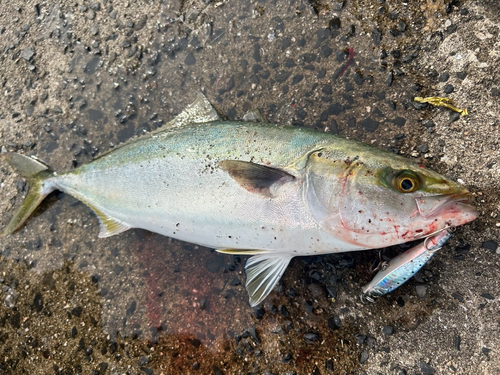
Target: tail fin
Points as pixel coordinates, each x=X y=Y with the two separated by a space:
x=36 y=172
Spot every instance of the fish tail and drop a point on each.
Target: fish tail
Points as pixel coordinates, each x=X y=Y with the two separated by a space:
x=37 y=174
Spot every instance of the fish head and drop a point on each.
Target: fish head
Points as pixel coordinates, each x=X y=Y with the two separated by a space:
x=376 y=199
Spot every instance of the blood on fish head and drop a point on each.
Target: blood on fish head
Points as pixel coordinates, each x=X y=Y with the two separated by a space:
x=379 y=199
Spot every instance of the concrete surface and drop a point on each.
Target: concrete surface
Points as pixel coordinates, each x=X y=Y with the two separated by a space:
x=79 y=77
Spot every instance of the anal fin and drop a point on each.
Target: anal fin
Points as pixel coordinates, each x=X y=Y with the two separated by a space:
x=109 y=226
x=263 y=273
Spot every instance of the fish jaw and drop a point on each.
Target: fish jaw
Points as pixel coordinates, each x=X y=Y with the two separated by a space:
x=452 y=211
x=429 y=206
x=432 y=213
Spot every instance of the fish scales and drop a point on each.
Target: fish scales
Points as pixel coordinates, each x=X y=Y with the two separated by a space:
x=270 y=191
x=182 y=193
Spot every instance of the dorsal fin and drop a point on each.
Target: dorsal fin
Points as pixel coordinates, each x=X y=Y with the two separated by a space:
x=198 y=112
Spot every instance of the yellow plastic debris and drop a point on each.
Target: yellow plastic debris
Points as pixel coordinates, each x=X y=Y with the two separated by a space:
x=441 y=102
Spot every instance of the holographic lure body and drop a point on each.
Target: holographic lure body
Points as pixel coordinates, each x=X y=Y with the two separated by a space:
x=400 y=269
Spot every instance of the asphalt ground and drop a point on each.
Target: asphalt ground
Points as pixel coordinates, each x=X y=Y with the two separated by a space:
x=78 y=78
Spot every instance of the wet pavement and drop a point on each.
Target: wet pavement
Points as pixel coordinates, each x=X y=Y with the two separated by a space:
x=79 y=78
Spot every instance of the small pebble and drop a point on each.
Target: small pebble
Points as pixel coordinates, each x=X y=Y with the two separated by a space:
x=203 y=304
x=427 y=369
x=360 y=339
x=95 y=6
x=454 y=116
x=424 y=148
x=421 y=290
x=490 y=245
x=448 y=88
x=27 y=54
x=190 y=59
x=428 y=124
x=389 y=78
x=77 y=311
x=387 y=330
x=296 y=79
x=38 y=302
x=370 y=341
x=443 y=77
x=487 y=296
x=310 y=338
x=334 y=322
x=399 y=121
x=282 y=76
x=456 y=342
x=259 y=313
x=486 y=351
x=363 y=357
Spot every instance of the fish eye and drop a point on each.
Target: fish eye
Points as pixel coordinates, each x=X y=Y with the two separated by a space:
x=406 y=182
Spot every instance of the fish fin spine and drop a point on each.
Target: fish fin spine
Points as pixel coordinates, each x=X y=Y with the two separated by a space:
x=38 y=175
x=263 y=273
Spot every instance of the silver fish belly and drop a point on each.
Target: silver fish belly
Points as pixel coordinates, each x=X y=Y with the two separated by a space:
x=258 y=189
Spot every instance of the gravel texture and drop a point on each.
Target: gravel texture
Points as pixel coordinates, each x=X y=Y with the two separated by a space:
x=77 y=78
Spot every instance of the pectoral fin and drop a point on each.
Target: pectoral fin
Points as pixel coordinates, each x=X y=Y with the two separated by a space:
x=263 y=273
x=256 y=178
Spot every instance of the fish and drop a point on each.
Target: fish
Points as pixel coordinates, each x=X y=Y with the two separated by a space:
x=401 y=268
x=252 y=188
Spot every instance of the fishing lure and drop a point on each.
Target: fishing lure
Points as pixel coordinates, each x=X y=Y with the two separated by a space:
x=403 y=267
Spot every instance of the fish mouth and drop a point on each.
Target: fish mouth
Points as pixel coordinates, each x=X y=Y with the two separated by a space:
x=455 y=204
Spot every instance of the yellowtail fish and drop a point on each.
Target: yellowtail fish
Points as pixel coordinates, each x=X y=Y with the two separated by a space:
x=271 y=191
